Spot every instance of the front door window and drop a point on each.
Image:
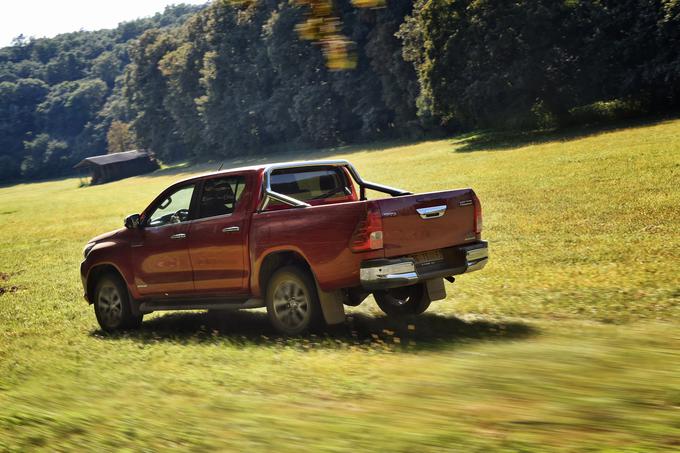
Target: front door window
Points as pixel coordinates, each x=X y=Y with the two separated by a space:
x=173 y=209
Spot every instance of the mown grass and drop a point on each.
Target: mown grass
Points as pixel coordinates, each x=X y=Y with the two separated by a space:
x=567 y=341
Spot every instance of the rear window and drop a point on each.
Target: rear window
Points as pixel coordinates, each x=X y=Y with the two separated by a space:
x=313 y=183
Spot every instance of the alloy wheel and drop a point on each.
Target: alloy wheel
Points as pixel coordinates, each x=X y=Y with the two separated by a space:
x=110 y=305
x=291 y=304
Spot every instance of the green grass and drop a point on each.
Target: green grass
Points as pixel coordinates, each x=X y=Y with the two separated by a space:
x=567 y=341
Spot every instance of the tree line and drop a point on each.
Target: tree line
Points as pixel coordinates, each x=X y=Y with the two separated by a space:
x=60 y=96
x=235 y=78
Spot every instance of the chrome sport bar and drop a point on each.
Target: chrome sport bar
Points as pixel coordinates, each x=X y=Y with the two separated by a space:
x=363 y=185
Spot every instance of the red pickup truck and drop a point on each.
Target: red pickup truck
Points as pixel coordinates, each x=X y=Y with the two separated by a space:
x=300 y=239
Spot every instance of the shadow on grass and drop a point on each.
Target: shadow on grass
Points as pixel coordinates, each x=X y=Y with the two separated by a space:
x=503 y=141
x=411 y=334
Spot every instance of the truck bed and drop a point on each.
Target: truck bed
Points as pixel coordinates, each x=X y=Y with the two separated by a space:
x=411 y=224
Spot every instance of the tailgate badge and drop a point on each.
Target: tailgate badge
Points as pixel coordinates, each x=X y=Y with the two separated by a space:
x=390 y=214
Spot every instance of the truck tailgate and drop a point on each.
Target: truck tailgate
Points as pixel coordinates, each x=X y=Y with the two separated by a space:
x=424 y=222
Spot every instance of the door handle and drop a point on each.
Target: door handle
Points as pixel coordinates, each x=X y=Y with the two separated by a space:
x=233 y=229
x=178 y=236
x=433 y=212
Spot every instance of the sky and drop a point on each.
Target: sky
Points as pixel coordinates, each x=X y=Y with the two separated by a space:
x=48 y=18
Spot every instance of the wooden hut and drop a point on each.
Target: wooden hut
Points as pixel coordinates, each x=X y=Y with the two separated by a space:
x=112 y=167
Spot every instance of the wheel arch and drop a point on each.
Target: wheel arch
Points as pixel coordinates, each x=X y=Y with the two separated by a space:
x=276 y=260
x=96 y=272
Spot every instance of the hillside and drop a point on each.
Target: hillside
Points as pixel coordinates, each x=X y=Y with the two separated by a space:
x=246 y=78
x=59 y=96
x=566 y=341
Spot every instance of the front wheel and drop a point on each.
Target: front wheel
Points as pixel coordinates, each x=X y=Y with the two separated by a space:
x=112 y=305
x=407 y=300
x=292 y=303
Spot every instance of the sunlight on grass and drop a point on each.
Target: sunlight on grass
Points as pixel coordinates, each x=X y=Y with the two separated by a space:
x=567 y=340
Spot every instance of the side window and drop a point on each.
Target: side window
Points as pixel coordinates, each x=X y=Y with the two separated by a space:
x=220 y=196
x=312 y=183
x=174 y=208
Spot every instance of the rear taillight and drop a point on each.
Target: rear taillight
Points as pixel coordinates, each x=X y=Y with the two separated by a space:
x=368 y=234
x=478 y=214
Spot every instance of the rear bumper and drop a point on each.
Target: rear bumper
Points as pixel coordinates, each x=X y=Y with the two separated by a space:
x=393 y=273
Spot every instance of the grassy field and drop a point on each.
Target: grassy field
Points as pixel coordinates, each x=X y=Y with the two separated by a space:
x=567 y=341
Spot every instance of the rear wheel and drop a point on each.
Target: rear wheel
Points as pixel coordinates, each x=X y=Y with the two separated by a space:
x=292 y=302
x=407 y=300
x=112 y=305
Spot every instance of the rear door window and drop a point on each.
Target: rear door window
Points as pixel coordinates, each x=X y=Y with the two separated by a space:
x=220 y=196
x=313 y=183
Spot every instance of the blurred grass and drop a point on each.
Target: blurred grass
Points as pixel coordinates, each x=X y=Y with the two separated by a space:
x=567 y=341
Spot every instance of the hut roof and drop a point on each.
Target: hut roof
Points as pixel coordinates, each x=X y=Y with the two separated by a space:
x=108 y=159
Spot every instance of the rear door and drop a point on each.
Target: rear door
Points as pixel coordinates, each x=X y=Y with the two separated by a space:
x=425 y=222
x=218 y=236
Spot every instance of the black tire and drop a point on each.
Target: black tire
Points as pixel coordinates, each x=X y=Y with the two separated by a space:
x=404 y=301
x=112 y=305
x=292 y=302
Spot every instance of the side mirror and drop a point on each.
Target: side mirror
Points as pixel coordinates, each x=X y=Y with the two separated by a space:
x=132 y=222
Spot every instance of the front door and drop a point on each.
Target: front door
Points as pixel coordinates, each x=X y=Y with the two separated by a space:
x=217 y=238
x=160 y=254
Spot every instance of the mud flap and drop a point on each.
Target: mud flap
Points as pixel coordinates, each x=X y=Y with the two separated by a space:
x=332 y=306
x=436 y=289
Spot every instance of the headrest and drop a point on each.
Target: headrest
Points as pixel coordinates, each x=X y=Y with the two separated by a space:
x=327 y=182
x=286 y=187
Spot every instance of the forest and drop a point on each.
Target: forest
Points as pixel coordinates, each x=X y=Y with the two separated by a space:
x=234 y=78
